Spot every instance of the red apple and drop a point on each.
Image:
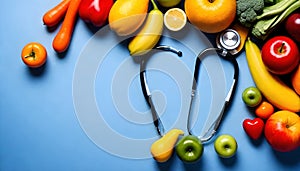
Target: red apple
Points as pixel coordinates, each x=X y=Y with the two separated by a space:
x=282 y=131
x=292 y=26
x=280 y=54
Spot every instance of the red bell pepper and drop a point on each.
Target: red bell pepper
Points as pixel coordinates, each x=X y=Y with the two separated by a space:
x=95 y=11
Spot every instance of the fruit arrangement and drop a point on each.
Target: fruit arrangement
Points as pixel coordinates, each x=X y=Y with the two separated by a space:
x=276 y=101
x=189 y=148
x=276 y=115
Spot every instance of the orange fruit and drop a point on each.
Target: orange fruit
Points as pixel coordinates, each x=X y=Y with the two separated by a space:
x=264 y=110
x=127 y=16
x=175 y=19
x=34 y=54
x=296 y=80
x=210 y=16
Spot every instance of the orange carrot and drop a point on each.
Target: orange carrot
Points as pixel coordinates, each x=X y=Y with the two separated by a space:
x=54 y=15
x=62 y=39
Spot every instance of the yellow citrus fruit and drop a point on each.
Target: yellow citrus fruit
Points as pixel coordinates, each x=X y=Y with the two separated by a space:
x=175 y=19
x=126 y=16
x=210 y=16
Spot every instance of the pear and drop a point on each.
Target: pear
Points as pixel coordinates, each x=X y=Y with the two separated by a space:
x=168 y=3
x=162 y=149
x=127 y=16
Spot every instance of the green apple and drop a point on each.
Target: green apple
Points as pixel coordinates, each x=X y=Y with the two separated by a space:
x=189 y=149
x=226 y=146
x=168 y=3
x=252 y=96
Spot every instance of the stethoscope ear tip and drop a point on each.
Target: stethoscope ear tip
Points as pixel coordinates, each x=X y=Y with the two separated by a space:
x=179 y=53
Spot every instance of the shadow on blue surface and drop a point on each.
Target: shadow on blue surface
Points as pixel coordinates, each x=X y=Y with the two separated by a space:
x=167 y=166
x=93 y=29
x=288 y=158
x=53 y=28
x=229 y=162
x=193 y=166
x=37 y=72
x=257 y=142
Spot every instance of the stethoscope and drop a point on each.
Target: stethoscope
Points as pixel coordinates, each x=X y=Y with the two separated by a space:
x=146 y=91
x=227 y=43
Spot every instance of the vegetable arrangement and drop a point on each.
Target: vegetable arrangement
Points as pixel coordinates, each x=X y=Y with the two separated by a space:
x=262 y=17
x=272 y=16
x=91 y=11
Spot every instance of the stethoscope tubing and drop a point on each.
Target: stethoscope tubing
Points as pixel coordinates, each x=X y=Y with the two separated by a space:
x=147 y=95
x=228 y=99
x=146 y=92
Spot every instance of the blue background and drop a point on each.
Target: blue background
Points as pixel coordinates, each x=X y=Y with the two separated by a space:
x=39 y=129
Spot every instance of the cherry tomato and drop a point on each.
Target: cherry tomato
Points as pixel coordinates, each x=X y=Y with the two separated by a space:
x=34 y=55
x=264 y=110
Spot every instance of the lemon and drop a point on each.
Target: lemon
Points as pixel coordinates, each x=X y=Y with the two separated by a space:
x=175 y=19
x=168 y=3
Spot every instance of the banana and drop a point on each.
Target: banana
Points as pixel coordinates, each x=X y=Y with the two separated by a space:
x=149 y=35
x=273 y=89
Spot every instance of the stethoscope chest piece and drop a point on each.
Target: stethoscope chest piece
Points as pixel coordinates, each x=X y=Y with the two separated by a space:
x=229 y=40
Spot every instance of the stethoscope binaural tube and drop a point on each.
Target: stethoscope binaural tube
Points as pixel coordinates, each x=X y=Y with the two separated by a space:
x=146 y=92
x=228 y=99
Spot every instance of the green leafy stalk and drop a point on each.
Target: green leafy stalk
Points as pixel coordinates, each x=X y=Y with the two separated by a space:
x=286 y=13
x=272 y=1
x=275 y=9
x=264 y=27
x=261 y=28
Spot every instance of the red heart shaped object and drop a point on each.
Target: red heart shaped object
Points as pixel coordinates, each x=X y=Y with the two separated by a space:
x=253 y=128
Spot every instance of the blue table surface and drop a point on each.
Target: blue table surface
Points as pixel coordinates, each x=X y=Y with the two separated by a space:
x=48 y=117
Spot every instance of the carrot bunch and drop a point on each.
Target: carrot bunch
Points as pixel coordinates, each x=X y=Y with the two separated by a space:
x=67 y=11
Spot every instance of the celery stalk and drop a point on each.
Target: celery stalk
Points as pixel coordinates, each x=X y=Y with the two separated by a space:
x=286 y=13
x=275 y=9
x=264 y=27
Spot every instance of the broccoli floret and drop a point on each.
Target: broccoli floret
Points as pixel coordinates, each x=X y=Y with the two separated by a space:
x=247 y=10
